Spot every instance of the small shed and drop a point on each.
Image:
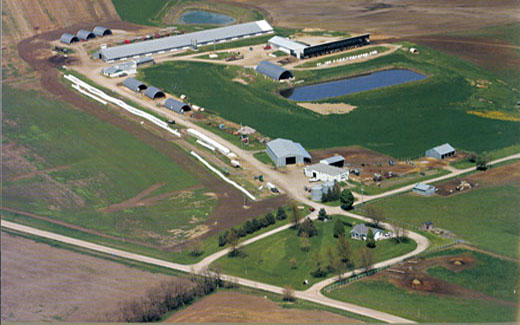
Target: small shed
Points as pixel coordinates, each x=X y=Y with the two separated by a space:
x=427 y=226
x=273 y=71
x=326 y=173
x=176 y=106
x=336 y=160
x=424 y=189
x=101 y=31
x=154 y=93
x=85 y=35
x=246 y=130
x=67 y=38
x=285 y=152
x=134 y=84
x=441 y=152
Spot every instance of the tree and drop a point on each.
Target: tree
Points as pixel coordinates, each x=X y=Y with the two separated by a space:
x=233 y=240
x=256 y=224
x=366 y=258
x=331 y=257
x=375 y=214
x=339 y=228
x=241 y=232
x=482 y=163
x=222 y=239
x=322 y=214
x=248 y=227
x=319 y=270
x=270 y=218
x=280 y=214
x=296 y=215
x=371 y=242
x=336 y=192
x=305 y=244
x=288 y=293
x=292 y=261
x=347 y=198
x=400 y=232
x=472 y=157
x=307 y=227
x=264 y=222
x=196 y=249
x=344 y=250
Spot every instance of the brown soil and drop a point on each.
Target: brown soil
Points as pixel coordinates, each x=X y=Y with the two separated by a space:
x=328 y=108
x=41 y=283
x=232 y=307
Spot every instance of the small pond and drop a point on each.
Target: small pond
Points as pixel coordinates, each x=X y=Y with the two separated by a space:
x=351 y=85
x=205 y=17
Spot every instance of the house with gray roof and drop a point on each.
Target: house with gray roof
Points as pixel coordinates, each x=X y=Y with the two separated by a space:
x=441 y=152
x=273 y=71
x=360 y=232
x=285 y=152
x=326 y=173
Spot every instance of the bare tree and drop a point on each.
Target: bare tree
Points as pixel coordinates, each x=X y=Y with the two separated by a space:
x=296 y=215
x=375 y=214
x=288 y=294
x=400 y=232
x=366 y=257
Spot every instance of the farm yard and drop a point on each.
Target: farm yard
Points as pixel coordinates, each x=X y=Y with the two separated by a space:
x=268 y=260
x=455 y=285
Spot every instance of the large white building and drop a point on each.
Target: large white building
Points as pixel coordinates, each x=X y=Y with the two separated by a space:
x=326 y=173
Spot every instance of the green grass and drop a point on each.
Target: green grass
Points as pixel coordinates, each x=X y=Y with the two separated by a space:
x=263 y=157
x=429 y=308
x=279 y=53
x=379 y=49
x=140 y=12
x=267 y=260
x=401 y=121
x=487 y=217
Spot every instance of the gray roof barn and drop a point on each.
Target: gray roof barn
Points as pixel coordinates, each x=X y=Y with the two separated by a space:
x=285 y=152
x=134 y=84
x=441 y=152
x=335 y=160
x=176 y=106
x=85 y=35
x=68 y=38
x=178 y=42
x=273 y=71
x=101 y=31
x=153 y=92
x=326 y=169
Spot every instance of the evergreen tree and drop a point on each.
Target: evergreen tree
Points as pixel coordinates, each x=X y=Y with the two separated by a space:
x=339 y=228
x=371 y=242
x=280 y=214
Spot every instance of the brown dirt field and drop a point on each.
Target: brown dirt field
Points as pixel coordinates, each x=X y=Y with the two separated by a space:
x=232 y=307
x=328 y=108
x=41 y=283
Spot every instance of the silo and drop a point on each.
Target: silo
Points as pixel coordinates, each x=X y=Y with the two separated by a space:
x=316 y=193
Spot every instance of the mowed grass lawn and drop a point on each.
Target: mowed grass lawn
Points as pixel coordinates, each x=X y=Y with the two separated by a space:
x=487 y=217
x=102 y=165
x=491 y=276
x=401 y=121
x=268 y=260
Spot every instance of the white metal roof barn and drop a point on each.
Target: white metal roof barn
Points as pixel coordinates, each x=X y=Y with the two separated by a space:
x=285 y=152
x=288 y=46
x=273 y=71
x=441 y=152
x=184 y=41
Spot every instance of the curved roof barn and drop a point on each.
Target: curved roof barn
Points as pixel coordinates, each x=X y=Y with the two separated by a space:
x=101 y=31
x=153 y=92
x=176 y=106
x=273 y=71
x=134 y=84
x=85 y=35
x=68 y=38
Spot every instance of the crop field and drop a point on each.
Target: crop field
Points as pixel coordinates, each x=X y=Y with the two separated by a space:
x=486 y=215
x=456 y=285
x=268 y=260
x=139 y=12
x=400 y=121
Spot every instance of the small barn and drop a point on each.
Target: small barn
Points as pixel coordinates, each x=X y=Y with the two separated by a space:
x=273 y=71
x=424 y=189
x=285 y=152
x=176 y=106
x=427 y=226
x=67 y=38
x=441 y=152
x=101 y=31
x=336 y=160
x=154 y=93
x=134 y=84
x=85 y=35
x=326 y=173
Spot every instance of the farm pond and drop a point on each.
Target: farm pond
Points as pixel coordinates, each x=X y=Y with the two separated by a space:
x=352 y=85
x=205 y=17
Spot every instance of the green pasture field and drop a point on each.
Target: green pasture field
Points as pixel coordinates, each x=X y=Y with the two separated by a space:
x=401 y=121
x=487 y=217
x=102 y=165
x=263 y=157
x=141 y=12
x=268 y=260
x=379 y=49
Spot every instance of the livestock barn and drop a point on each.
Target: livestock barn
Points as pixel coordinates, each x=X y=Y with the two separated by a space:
x=285 y=152
x=327 y=173
x=273 y=71
x=134 y=84
x=176 y=106
x=154 y=93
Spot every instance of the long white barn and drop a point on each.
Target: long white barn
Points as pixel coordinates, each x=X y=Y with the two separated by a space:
x=184 y=41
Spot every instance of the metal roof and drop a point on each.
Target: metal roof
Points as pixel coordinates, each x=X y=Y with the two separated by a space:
x=273 y=71
x=112 y=69
x=144 y=60
x=152 y=92
x=176 y=106
x=134 y=84
x=287 y=43
x=333 y=159
x=326 y=169
x=284 y=148
x=85 y=34
x=423 y=187
x=68 y=38
x=444 y=149
x=180 y=41
x=363 y=230
x=101 y=31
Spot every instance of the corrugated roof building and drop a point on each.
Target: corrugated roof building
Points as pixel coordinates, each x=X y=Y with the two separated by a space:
x=67 y=38
x=424 y=189
x=335 y=160
x=285 y=152
x=273 y=71
x=134 y=84
x=101 y=31
x=288 y=46
x=441 y=152
x=85 y=35
x=326 y=173
x=154 y=92
x=176 y=106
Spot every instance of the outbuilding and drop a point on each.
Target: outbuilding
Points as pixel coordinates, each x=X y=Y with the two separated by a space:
x=134 y=84
x=287 y=46
x=424 y=189
x=101 y=31
x=273 y=71
x=336 y=160
x=285 y=152
x=67 y=38
x=441 y=152
x=154 y=93
x=85 y=35
x=326 y=173
x=360 y=232
x=176 y=106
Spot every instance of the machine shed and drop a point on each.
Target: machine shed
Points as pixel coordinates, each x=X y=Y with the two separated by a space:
x=134 y=84
x=85 y=35
x=154 y=93
x=337 y=161
x=273 y=71
x=101 y=31
x=326 y=173
x=285 y=152
x=67 y=38
x=441 y=152
x=176 y=106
